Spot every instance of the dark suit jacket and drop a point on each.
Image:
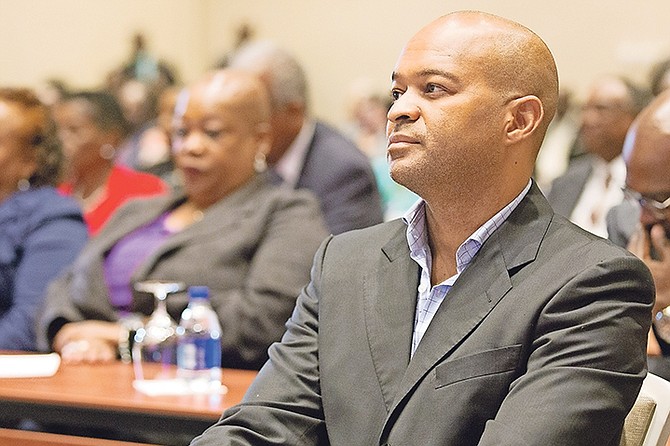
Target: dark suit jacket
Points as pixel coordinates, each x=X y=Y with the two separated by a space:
x=566 y=189
x=622 y=220
x=341 y=177
x=541 y=341
x=253 y=249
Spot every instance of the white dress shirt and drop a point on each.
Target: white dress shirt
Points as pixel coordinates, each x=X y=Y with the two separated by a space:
x=601 y=192
x=289 y=166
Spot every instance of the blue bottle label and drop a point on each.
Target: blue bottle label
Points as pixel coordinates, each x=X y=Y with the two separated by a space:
x=199 y=353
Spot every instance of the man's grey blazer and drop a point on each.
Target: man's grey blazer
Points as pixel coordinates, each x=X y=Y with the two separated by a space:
x=541 y=341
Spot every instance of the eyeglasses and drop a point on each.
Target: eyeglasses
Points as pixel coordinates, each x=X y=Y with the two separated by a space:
x=657 y=208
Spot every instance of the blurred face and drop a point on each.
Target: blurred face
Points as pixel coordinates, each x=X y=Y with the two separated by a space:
x=446 y=124
x=81 y=138
x=648 y=182
x=371 y=115
x=214 y=146
x=606 y=116
x=17 y=157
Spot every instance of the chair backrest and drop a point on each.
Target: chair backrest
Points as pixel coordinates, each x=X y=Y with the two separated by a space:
x=648 y=423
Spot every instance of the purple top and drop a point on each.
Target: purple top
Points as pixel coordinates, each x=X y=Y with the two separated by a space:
x=127 y=255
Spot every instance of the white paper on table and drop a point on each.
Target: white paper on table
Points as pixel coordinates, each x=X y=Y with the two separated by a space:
x=162 y=387
x=29 y=365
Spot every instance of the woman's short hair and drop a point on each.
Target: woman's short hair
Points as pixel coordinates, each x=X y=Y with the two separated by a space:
x=106 y=112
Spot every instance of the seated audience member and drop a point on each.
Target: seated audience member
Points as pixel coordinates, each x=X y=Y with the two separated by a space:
x=642 y=222
x=366 y=124
x=41 y=232
x=154 y=153
x=250 y=242
x=592 y=184
x=51 y=91
x=481 y=319
x=560 y=145
x=368 y=130
x=90 y=126
x=307 y=153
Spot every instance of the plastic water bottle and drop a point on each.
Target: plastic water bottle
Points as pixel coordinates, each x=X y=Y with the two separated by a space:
x=199 y=342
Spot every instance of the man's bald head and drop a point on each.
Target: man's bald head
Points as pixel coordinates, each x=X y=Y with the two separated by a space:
x=516 y=61
x=649 y=158
x=476 y=92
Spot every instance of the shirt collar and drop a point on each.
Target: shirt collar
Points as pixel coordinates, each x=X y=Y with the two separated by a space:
x=290 y=164
x=417 y=238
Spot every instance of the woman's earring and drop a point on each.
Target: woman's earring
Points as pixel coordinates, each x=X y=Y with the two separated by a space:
x=107 y=151
x=23 y=184
x=260 y=165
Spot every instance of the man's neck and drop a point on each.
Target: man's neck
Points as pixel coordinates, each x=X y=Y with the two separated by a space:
x=450 y=223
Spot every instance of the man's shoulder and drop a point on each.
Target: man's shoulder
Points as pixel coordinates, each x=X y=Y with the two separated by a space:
x=582 y=245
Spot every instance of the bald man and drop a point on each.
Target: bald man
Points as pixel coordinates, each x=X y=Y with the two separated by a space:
x=307 y=153
x=642 y=222
x=481 y=318
x=592 y=184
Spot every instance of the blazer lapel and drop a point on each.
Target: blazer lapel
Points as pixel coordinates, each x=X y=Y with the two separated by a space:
x=479 y=288
x=475 y=293
x=390 y=299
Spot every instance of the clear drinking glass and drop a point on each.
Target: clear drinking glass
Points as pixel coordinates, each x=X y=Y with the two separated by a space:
x=156 y=341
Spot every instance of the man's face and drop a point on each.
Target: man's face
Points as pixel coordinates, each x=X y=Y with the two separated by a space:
x=606 y=117
x=446 y=124
x=81 y=137
x=647 y=175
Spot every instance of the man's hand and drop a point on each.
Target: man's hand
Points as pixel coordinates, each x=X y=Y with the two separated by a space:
x=640 y=244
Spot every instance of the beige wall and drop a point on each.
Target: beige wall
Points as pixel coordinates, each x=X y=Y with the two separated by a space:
x=338 y=41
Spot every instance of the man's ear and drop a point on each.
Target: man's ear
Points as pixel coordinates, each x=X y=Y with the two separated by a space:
x=525 y=115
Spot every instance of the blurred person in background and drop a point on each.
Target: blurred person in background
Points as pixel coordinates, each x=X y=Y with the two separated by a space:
x=367 y=127
x=140 y=85
x=592 y=184
x=659 y=77
x=307 y=153
x=642 y=222
x=41 y=232
x=153 y=152
x=561 y=145
x=230 y=229
x=51 y=91
x=366 y=112
x=91 y=126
